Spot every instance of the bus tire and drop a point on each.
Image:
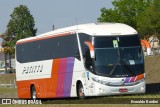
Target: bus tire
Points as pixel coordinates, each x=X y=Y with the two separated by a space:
x=80 y=91
x=33 y=93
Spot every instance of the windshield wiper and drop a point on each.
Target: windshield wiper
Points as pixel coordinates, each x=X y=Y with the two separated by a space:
x=118 y=60
x=128 y=68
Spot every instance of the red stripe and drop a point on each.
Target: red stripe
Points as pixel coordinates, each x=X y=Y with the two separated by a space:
x=132 y=79
x=43 y=38
x=61 y=77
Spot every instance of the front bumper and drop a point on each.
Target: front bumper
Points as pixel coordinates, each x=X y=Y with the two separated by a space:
x=102 y=90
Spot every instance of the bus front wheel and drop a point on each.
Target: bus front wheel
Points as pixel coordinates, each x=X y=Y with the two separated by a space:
x=33 y=93
x=81 y=91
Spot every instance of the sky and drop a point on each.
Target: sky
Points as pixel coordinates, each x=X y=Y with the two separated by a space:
x=60 y=13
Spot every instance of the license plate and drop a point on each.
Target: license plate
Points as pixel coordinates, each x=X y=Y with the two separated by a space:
x=123 y=90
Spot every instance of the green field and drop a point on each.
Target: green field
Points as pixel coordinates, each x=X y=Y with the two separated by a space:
x=7 y=78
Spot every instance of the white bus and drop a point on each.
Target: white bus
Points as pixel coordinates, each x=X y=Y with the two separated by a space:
x=94 y=59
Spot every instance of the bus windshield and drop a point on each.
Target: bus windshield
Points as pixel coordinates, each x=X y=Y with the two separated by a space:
x=118 y=56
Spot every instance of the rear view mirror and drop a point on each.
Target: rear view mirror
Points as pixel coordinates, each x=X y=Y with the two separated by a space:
x=91 y=48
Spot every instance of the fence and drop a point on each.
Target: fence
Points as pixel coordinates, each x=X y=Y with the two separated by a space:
x=154 y=51
x=12 y=84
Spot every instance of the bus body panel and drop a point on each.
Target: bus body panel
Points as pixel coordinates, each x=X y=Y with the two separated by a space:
x=57 y=84
x=103 y=90
x=115 y=86
x=77 y=76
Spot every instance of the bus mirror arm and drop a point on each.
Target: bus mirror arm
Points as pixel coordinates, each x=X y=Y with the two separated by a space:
x=91 y=48
x=77 y=56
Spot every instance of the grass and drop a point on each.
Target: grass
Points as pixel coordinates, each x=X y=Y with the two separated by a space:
x=82 y=105
x=7 y=78
x=125 y=99
x=138 y=96
x=7 y=90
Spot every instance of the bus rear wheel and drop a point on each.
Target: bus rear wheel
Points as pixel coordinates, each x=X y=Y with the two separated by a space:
x=33 y=93
x=81 y=94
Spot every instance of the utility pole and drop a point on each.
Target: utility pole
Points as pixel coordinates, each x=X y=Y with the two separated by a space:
x=53 y=27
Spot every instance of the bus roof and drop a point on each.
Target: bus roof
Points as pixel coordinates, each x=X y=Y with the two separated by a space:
x=93 y=29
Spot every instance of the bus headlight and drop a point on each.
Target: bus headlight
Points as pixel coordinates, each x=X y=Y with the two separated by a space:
x=142 y=88
x=99 y=81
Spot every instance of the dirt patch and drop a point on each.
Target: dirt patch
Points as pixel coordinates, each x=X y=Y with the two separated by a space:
x=152 y=69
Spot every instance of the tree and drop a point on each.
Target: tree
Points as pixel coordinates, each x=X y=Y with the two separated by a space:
x=125 y=11
x=21 y=25
x=149 y=22
x=109 y=15
x=6 y=50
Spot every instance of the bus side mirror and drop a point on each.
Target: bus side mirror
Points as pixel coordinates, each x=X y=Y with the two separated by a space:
x=91 y=48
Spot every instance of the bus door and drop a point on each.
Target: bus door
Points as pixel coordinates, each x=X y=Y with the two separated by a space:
x=88 y=63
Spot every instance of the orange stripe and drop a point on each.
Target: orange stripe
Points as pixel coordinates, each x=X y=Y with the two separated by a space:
x=43 y=38
x=91 y=47
x=46 y=87
x=143 y=44
x=146 y=43
x=23 y=88
x=140 y=77
x=42 y=86
x=55 y=67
